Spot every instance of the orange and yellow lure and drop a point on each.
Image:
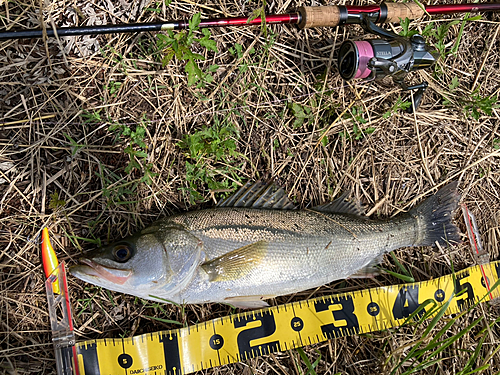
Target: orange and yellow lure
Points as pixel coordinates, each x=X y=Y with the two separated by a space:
x=49 y=259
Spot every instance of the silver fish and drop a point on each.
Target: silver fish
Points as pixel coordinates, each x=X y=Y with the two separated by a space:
x=256 y=245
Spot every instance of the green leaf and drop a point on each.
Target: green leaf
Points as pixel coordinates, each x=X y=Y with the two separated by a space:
x=405 y=278
x=428 y=30
x=192 y=71
x=405 y=25
x=55 y=202
x=309 y=365
x=208 y=43
x=475 y=18
x=168 y=57
x=324 y=141
x=454 y=83
x=126 y=131
x=256 y=13
x=194 y=22
x=140 y=154
x=168 y=321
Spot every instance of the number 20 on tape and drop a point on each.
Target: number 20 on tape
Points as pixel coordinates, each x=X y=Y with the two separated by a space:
x=242 y=336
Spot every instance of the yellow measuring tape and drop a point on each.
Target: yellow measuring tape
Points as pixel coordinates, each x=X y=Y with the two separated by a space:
x=247 y=335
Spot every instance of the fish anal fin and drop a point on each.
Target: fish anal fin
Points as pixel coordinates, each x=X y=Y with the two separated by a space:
x=248 y=302
x=370 y=270
x=342 y=205
x=236 y=263
x=259 y=195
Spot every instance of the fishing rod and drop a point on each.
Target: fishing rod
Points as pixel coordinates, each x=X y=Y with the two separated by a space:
x=305 y=17
x=390 y=55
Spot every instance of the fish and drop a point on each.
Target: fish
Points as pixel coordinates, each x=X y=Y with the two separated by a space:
x=257 y=245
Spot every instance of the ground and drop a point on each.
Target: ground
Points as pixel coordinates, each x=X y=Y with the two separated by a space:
x=100 y=136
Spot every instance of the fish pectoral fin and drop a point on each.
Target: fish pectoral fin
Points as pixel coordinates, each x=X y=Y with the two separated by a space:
x=248 y=302
x=370 y=270
x=236 y=263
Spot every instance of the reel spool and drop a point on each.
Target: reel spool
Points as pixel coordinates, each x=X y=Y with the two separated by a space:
x=392 y=55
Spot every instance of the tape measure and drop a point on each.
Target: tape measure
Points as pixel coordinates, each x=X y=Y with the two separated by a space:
x=251 y=334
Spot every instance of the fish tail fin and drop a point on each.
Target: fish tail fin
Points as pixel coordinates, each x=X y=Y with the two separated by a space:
x=434 y=217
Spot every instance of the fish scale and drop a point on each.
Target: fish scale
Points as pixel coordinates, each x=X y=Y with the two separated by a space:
x=242 y=253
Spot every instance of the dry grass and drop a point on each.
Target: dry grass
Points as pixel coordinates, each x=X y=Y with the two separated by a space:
x=46 y=89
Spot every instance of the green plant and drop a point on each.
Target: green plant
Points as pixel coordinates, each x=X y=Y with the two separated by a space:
x=113 y=87
x=180 y=45
x=475 y=104
x=405 y=25
x=136 y=149
x=211 y=153
x=114 y=188
x=159 y=310
x=260 y=12
x=75 y=146
x=302 y=114
x=440 y=33
x=87 y=302
x=91 y=117
x=405 y=276
x=276 y=144
x=399 y=105
x=454 y=49
x=452 y=86
x=55 y=202
x=157 y=6
x=357 y=132
x=454 y=83
x=237 y=51
x=478 y=104
x=356 y=114
x=310 y=366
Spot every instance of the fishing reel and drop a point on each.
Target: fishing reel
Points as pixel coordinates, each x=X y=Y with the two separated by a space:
x=393 y=56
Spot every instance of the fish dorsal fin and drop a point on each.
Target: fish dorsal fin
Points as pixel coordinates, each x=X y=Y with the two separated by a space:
x=259 y=195
x=236 y=263
x=341 y=205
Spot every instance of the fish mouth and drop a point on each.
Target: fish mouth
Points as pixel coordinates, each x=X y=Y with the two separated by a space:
x=90 y=268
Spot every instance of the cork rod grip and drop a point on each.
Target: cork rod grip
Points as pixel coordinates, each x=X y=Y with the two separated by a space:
x=328 y=16
x=397 y=11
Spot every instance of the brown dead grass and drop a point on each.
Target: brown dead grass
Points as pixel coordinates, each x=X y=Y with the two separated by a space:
x=45 y=90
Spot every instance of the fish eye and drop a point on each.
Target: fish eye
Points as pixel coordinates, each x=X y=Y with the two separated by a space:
x=122 y=253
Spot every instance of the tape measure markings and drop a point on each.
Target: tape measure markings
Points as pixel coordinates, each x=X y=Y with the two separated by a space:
x=250 y=334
